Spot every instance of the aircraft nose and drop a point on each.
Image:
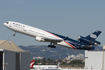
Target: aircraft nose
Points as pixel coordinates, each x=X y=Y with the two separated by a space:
x=5 y=24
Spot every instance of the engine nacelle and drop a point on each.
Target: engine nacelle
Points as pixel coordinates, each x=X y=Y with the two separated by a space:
x=40 y=39
x=84 y=40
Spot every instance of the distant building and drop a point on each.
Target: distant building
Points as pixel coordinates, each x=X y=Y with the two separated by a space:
x=72 y=56
x=79 y=56
x=38 y=58
x=12 y=57
x=94 y=59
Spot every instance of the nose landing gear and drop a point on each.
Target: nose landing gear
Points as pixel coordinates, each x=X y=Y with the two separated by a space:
x=14 y=34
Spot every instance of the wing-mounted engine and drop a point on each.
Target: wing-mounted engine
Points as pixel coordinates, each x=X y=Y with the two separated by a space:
x=40 y=39
x=89 y=42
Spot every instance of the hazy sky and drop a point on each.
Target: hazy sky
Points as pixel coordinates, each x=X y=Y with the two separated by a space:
x=70 y=18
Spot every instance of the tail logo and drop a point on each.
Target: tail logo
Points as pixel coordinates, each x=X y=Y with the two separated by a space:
x=32 y=63
x=93 y=36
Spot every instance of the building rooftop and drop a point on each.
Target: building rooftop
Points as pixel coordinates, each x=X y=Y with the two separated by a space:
x=9 y=45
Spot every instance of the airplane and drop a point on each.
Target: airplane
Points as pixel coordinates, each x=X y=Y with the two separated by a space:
x=32 y=63
x=83 y=43
x=46 y=67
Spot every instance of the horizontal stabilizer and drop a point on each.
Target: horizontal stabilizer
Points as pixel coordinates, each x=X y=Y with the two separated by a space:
x=86 y=46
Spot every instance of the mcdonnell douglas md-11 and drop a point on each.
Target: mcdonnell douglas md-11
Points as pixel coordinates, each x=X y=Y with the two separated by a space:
x=84 y=43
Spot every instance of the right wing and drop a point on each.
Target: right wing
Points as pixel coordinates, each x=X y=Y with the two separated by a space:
x=53 y=40
x=44 y=39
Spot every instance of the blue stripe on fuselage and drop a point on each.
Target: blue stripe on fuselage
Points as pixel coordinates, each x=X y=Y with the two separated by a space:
x=75 y=43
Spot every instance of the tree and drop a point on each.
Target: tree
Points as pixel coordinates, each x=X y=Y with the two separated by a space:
x=76 y=62
x=38 y=61
x=44 y=60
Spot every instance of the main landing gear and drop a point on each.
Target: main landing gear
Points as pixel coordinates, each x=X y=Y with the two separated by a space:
x=52 y=45
x=14 y=34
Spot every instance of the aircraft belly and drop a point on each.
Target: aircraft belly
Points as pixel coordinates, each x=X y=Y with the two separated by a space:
x=64 y=44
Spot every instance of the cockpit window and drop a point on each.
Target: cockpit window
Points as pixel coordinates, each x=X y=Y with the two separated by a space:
x=7 y=22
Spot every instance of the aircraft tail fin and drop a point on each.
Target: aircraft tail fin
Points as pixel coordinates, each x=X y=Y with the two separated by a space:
x=58 y=66
x=93 y=36
x=32 y=63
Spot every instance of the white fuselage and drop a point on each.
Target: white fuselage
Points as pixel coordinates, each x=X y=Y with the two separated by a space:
x=46 y=67
x=34 y=32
